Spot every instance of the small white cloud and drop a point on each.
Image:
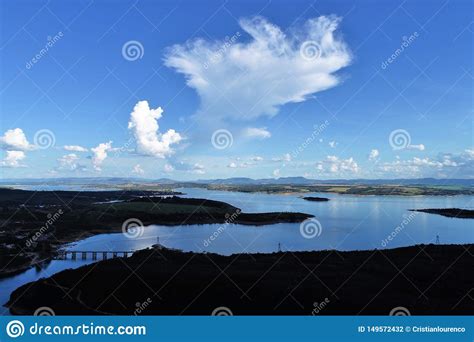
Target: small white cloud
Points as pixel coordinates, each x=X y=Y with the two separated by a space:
x=374 y=154
x=144 y=125
x=13 y=159
x=68 y=162
x=332 y=144
x=242 y=165
x=181 y=165
x=419 y=147
x=258 y=133
x=100 y=154
x=75 y=148
x=469 y=152
x=412 y=167
x=15 y=139
x=268 y=71
x=256 y=158
x=276 y=173
x=285 y=158
x=198 y=169
x=333 y=164
x=168 y=168
x=442 y=166
x=137 y=169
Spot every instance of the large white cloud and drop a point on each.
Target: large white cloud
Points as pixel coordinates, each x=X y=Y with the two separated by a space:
x=13 y=159
x=100 y=154
x=15 y=139
x=254 y=78
x=144 y=125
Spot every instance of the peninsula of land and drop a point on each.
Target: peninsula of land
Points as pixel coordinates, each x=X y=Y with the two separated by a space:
x=449 y=212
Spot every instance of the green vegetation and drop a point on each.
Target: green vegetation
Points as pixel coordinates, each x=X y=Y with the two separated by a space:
x=348 y=189
x=375 y=190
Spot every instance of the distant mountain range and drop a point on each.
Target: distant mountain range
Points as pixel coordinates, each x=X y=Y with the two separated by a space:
x=240 y=181
x=306 y=181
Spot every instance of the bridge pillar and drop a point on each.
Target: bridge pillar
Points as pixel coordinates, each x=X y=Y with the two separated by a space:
x=73 y=255
x=84 y=255
x=114 y=254
x=125 y=254
x=104 y=255
x=94 y=255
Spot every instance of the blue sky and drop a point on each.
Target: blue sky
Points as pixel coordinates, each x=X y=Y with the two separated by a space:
x=322 y=89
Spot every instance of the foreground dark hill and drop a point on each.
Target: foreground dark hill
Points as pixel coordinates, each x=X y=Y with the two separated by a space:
x=425 y=279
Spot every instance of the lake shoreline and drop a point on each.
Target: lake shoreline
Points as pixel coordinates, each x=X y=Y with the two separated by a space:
x=51 y=219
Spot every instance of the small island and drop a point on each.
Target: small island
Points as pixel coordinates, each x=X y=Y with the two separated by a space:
x=449 y=212
x=316 y=199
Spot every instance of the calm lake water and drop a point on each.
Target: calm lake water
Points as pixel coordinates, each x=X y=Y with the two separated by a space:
x=346 y=223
